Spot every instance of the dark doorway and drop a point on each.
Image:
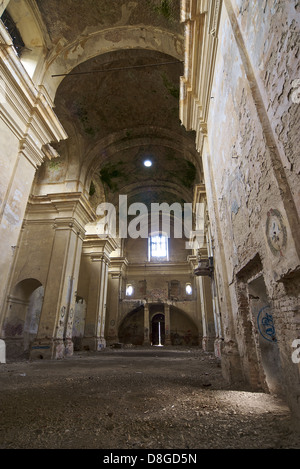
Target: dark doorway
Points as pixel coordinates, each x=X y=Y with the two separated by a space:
x=158 y=330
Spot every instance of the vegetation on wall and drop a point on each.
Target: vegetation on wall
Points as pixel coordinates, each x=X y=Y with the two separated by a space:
x=164 y=9
x=172 y=89
x=54 y=165
x=110 y=172
x=82 y=115
x=113 y=175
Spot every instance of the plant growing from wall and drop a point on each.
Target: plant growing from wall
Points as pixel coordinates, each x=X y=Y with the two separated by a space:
x=164 y=9
x=172 y=89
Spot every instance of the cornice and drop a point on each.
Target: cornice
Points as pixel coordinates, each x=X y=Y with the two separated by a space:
x=26 y=108
x=158 y=268
x=42 y=208
x=201 y=19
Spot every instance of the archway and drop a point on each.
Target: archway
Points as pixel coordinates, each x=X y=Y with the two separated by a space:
x=158 y=330
x=131 y=330
x=79 y=323
x=23 y=316
x=183 y=330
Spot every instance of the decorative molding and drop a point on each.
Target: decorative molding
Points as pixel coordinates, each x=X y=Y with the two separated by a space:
x=118 y=266
x=60 y=209
x=49 y=151
x=24 y=107
x=201 y=20
x=94 y=246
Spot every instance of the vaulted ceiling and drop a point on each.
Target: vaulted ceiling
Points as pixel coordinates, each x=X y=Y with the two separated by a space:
x=120 y=105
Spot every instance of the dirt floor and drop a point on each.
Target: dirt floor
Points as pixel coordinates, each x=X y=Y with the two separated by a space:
x=154 y=398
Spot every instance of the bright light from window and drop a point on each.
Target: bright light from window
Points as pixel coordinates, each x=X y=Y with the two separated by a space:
x=147 y=163
x=188 y=289
x=129 y=290
x=158 y=246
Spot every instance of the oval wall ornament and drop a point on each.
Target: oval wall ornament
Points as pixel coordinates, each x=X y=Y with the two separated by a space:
x=276 y=232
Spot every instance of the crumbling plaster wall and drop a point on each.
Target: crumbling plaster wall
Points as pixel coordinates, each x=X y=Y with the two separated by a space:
x=271 y=34
x=250 y=182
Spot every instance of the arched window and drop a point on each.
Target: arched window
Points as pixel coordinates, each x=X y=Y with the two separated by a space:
x=13 y=32
x=129 y=290
x=158 y=247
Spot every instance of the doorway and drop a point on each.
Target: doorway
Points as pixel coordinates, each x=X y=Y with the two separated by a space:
x=261 y=311
x=158 y=330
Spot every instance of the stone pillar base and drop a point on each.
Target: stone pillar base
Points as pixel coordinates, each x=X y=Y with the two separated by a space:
x=15 y=348
x=95 y=344
x=47 y=349
x=111 y=340
x=208 y=344
x=69 y=347
x=101 y=344
x=218 y=348
x=231 y=363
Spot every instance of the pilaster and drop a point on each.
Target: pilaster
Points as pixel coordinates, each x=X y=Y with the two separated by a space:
x=116 y=273
x=68 y=217
x=167 y=324
x=27 y=127
x=201 y=21
x=146 y=325
x=97 y=250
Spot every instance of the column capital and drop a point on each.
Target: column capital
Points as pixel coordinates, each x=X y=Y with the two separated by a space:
x=118 y=266
x=100 y=257
x=94 y=245
x=201 y=19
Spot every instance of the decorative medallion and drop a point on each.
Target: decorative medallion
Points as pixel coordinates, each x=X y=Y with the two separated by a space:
x=276 y=232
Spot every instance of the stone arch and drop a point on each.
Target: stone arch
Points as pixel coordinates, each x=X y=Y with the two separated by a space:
x=131 y=329
x=65 y=57
x=23 y=315
x=183 y=330
x=119 y=142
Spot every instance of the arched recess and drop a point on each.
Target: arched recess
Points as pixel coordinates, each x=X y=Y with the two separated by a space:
x=23 y=315
x=183 y=330
x=131 y=329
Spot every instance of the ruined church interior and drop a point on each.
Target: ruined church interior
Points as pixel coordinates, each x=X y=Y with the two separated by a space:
x=149 y=226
